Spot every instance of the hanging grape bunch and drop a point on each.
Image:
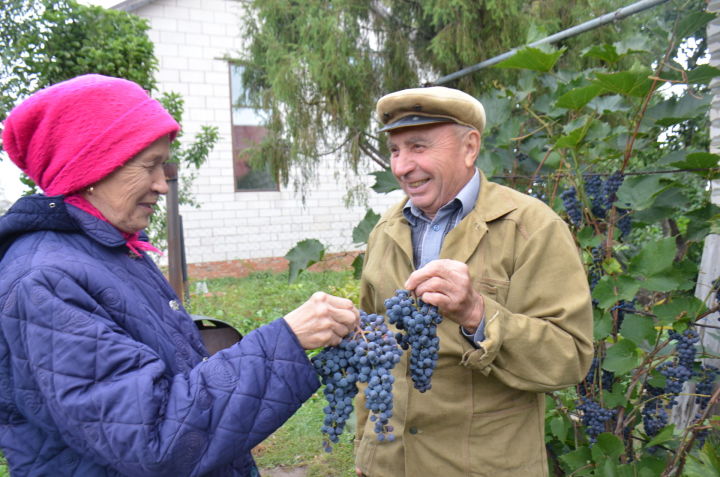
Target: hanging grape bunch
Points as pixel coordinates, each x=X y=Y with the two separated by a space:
x=601 y=195
x=418 y=324
x=367 y=355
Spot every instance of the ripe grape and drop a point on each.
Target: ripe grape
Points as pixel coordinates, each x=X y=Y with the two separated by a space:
x=594 y=418
x=367 y=355
x=418 y=324
x=572 y=206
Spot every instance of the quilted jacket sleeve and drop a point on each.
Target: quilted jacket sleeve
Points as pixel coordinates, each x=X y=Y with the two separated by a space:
x=111 y=396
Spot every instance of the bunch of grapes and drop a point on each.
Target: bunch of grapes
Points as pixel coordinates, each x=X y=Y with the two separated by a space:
x=375 y=358
x=594 y=191
x=704 y=386
x=594 y=418
x=606 y=381
x=418 y=324
x=367 y=355
x=685 y=346
x=572 y=206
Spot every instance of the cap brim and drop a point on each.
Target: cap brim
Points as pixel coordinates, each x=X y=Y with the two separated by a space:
x=414 y=120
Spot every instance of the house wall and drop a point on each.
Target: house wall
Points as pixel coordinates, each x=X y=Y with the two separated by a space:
x=191 y=37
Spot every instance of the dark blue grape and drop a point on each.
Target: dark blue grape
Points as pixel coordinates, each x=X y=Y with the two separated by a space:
x=366 y=355
x=594 y=417
x=610 y=188
x=594 y=192
x=419 y=324
x=704 y=386
x=572 y=206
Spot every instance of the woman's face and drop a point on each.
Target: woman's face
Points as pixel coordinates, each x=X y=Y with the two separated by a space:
x=128 y=196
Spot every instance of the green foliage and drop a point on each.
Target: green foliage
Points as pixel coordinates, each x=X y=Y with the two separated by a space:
x=43 y=42
x=316 y=67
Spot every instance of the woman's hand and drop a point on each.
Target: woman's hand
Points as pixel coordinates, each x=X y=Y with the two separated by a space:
x=323 y=320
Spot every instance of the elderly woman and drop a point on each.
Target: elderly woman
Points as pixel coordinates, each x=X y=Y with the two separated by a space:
x=102 y=372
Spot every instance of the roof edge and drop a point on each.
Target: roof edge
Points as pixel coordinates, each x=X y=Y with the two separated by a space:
x=131 y=5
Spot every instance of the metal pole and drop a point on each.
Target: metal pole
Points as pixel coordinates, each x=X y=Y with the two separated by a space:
x=173 y=231
x=618 y=14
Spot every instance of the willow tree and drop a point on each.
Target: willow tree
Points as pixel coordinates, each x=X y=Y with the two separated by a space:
x=316 y=67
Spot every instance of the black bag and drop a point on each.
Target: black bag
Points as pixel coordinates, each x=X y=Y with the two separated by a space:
x=216 y=334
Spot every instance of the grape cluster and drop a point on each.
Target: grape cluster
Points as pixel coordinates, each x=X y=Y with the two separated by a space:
x=704 y=386
x=685 y=346
x=594 y=191
x=572 y=206
x=594 y=418
x=675 y=377
x=418 y=324
x=655 y=417
x=366 y=355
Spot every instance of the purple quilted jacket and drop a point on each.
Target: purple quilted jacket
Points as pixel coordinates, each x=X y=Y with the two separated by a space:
x=103 y=373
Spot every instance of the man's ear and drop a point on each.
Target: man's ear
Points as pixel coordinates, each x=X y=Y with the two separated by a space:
x=471 y=147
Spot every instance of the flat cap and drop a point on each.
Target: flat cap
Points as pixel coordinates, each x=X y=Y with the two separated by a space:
x=436 y=104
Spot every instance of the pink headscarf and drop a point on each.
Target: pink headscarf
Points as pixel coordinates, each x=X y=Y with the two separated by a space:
x=72 y=134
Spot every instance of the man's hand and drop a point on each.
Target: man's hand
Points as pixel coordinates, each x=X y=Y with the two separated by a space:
x=323 y=320
x=447 y=285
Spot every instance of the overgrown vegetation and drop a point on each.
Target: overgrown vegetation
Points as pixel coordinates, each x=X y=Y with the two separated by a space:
x=43 y=42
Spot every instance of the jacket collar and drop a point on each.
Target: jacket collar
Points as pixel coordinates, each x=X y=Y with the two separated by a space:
x=493 y=202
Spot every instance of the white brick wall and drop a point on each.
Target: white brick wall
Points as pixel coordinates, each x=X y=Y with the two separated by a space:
x=191 y=37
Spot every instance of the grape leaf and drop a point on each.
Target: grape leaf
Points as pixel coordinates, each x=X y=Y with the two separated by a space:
x=362 y=230
x=303 y=255
x=621 y=357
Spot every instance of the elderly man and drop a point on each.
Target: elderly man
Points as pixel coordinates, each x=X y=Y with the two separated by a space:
x=505 y=273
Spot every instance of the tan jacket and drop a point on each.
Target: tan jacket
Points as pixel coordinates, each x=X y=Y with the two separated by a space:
x=484 y=415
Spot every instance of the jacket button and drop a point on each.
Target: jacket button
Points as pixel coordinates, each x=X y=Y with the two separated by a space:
x=413 y=430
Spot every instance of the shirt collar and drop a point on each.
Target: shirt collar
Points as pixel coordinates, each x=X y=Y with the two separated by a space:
x=467 y=197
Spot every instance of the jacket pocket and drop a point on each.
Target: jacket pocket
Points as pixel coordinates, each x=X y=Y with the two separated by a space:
x=492 y=288
x=508 y=442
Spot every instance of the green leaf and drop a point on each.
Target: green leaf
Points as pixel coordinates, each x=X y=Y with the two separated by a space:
x=621 y=357
x=684 y=306
x=577 y=98
x=615 y=398
x=610 y=444
x=702 y=74
x=639 y=192
x=572 y=139
x=357 y=265
x=609 y=104
x=655 y=257
x=628 y=83
x=602 y=324
x=665 y=435
x=532 y=59
x=303 y=255
x=605 y=52
x=700 y=219
x=362 y=230
x=578 y=458
x=692 y=23
x=559 y=427
x=587 y=238
x=702 y=161
x=384 y=181
x=676 y=110
x=640 y=329
x=610 y=290
x=497 y=111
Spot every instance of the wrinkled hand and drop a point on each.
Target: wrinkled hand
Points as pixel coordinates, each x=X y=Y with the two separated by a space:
x=323 y=320
x=447 y=285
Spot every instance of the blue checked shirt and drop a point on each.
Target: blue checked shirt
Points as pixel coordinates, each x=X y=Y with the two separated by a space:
x=428 y=235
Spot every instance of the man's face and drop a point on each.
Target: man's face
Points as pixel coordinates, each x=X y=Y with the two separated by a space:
x=433 y=163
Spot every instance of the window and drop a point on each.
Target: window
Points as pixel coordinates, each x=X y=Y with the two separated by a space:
x=247 y=130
